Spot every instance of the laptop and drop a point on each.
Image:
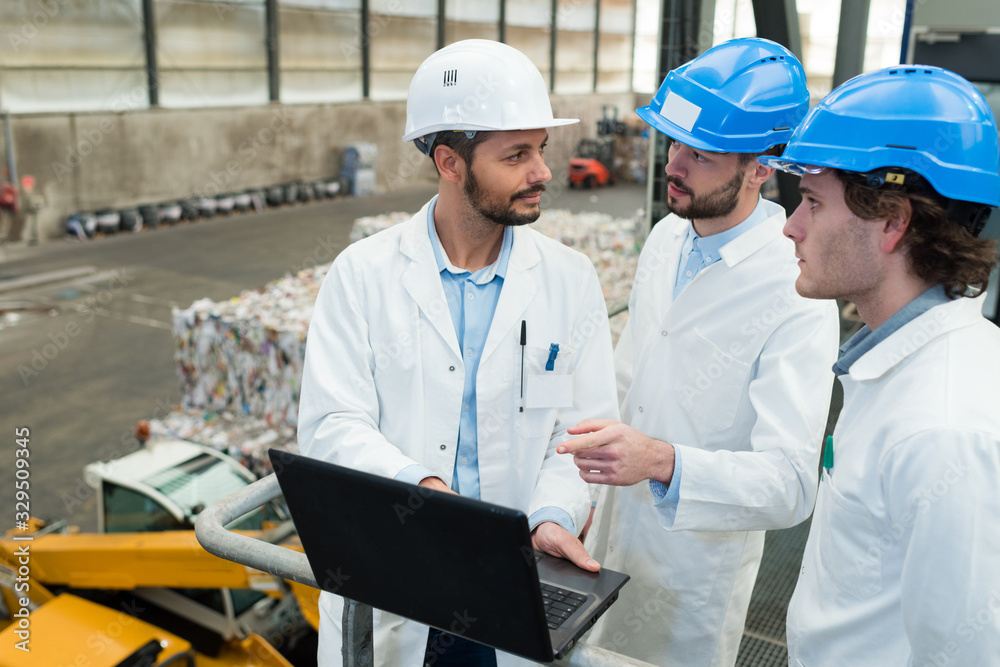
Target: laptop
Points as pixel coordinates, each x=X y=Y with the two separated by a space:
x=456 y=564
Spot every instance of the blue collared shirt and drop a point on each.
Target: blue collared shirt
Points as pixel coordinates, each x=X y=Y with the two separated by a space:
x=697 y=253
x=866 y=339
x=472 y=299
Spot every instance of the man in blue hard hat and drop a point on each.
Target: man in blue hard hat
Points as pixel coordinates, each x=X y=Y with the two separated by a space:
x=900 y=170
x=723 y=372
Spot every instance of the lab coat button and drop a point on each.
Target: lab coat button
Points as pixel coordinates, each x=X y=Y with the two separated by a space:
x=640 y=408
x=451 y=368
x=663 y=333
x=444 y=446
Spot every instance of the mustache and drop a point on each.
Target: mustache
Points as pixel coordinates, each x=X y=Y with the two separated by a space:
x=678 y=183
x=533 y=190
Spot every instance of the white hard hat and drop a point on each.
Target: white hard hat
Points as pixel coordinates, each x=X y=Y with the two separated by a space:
x=478 y=84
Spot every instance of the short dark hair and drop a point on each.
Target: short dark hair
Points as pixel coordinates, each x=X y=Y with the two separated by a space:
x=941 y=250
x=463 y=146
x=747 y=158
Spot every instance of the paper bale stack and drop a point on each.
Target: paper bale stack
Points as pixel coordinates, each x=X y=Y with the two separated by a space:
x=244 y=356
x=246 y=439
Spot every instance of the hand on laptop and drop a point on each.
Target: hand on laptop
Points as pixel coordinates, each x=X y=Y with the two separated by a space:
x=609 y=452
x=435 y=483
x=555 y=540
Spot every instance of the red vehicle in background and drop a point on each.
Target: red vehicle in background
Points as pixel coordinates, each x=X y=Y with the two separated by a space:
x=594 y=165
x=594 y=162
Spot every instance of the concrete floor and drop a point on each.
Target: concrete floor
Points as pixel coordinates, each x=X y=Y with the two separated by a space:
x=91 y=355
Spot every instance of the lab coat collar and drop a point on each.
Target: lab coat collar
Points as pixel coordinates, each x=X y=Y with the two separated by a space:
x=757 y=236
x=749 y=241
x=422 y=281
x=914 y=335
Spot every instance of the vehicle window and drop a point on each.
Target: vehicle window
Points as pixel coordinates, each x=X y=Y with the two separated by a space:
x=199 y=481
x=244 y=598
x=127 y=511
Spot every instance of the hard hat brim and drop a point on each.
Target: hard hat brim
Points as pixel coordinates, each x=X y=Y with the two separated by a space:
x=674 y=131
x=470 y=127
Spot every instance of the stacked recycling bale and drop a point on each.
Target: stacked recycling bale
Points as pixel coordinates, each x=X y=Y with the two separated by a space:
x=246 y=439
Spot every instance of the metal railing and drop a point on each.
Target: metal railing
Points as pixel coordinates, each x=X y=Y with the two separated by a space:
x=265 y=555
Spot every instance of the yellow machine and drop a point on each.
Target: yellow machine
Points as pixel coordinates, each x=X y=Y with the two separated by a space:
x=142 y=592
x=154 y=589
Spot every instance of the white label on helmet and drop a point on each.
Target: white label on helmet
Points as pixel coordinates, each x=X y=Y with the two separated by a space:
x=679 y=111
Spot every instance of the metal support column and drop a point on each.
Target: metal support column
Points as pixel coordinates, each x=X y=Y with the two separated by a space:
x=273 y=50
x=678 y=43
x=152 y=66
x=904 y=44
x=552 y=46
x=441 y=24
x=8 y=140
x=503 y=21
x=851 y=40
x=597 y=39
x=366 y=52
x=779 y=22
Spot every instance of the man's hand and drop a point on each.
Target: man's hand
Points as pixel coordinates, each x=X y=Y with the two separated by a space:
x=609 y=452
x=435 y=483
x=555 y=540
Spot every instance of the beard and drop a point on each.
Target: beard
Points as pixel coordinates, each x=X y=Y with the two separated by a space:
x=496 y=208
x=715 y=204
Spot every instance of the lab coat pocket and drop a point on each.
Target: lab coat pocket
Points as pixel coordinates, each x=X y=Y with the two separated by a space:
x=544 y=392
x=849 y=546
x=713 y=382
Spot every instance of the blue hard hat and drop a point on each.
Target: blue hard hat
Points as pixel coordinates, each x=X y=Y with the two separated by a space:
x=911 y=118
x=742 y=96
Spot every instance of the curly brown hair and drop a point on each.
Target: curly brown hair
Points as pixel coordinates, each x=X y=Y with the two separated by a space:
x=941 y=251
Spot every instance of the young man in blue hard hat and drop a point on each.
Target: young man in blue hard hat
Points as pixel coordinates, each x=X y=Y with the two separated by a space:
x=723 y=372
x=902 y=566
x=413 y=365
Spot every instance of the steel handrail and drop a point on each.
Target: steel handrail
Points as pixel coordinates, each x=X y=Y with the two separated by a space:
x=263 y=555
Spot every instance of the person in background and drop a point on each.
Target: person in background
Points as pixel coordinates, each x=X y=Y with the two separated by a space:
x=8 y=207
x=900 y=170
x=33 y=202
x=723 y=372
x=453 y=350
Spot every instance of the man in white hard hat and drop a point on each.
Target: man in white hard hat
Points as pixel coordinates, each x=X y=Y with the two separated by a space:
x=432 y=354
x=724 y=372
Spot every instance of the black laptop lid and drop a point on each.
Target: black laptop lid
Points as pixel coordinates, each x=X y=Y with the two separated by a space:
x=453 y=563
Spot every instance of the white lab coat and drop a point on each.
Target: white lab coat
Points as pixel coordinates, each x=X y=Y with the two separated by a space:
x=902 y=565
x=383 y=380
x=736 y=374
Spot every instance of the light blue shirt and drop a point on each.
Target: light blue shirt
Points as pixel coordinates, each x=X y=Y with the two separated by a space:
x=866 y=339
x=697 y=254
x=472 y=299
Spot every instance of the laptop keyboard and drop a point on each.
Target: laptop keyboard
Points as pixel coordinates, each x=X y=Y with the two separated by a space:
x=560 y=604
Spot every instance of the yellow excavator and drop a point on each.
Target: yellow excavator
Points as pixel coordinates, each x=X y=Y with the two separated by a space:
x=152 y=596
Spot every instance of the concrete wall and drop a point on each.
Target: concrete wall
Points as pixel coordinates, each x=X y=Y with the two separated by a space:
x=94 y=160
